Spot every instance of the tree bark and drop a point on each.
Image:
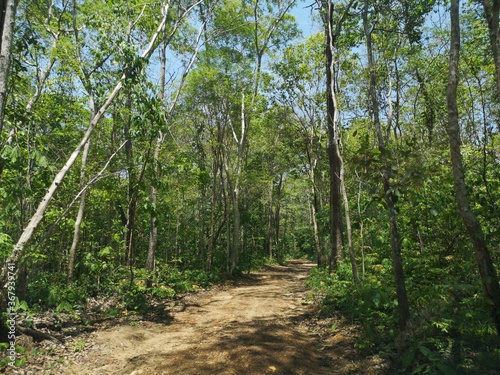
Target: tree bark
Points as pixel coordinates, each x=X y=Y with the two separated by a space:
x=336 y=236
x=260 y=47
x=277 y=215
x=8 y=19
x=270 y=222
x=485 y=264
x=491 y=12
x=153 y=193
x=153 y=225
x=132 y=185
x=153 y=228
x=352 y=255
x=312 y=159
x=79 y=218
x=213 y=202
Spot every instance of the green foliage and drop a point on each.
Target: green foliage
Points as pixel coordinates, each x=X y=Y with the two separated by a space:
x=6 y=245
x=449 y=319
x=79 y=345
x=163 y=292
x=371 y=304
x=50 y=291
x=135 y=298
x=284 y=164
x=430 y=361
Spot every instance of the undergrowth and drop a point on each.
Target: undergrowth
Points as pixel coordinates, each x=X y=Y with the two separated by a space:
x=167 y=282
x=449 y=331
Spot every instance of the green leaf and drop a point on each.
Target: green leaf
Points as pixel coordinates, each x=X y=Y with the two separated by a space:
x=425 y=351
x=446 y=370
x=105 y=251
x=43 y=162
x=407 y=357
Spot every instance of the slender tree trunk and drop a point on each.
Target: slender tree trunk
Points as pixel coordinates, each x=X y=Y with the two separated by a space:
x=132 y=182
x=277 y=216
x=269 y=223
x=81 y=209
x=333 y=141
x=213 y=200
x=403 y=307
x=236 y=231
x=337 y=187
x=201 y=223
x=313 y=161
x=331 y=34
x=235 y=192
x=486 y=268
x=7 y=21
x=492 y=14
x=226 y=189
x=319 y=252
x=352 y=256
x=153 y=228
x=79 y=218
x=153 y=194
x=361 y=229
x=153 y=225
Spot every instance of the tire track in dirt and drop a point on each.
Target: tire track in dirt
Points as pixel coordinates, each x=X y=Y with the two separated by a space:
x=247 y=329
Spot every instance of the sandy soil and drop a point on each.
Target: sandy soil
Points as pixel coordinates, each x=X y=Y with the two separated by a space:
x=262 y=325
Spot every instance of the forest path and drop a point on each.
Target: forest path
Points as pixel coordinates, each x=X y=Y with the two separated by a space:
x=251 y=328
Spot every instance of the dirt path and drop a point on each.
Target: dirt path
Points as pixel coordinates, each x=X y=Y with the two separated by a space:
x=248 y=329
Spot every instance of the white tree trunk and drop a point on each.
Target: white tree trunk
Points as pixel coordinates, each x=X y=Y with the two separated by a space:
x=5 y=52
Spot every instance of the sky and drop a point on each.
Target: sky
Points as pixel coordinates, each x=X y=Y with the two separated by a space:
x=302 y=12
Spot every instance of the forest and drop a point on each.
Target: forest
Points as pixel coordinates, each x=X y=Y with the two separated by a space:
x=148 y=148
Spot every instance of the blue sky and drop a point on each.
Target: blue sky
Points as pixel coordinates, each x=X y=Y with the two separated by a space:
x=302 y=11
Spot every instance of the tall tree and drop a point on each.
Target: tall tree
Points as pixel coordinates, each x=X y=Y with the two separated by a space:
x=7 y=21
x=333 y=29
x=390 y=198
x=492 y=14
x=485 y=264
x=263 y=26
x=300 y=86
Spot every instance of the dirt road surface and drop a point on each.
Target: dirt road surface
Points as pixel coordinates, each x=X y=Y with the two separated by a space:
x=266 y=323
x=246 y=329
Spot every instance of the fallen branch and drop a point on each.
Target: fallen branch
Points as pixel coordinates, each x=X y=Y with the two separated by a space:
x=39 y=335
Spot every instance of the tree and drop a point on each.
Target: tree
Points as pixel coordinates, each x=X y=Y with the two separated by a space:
x=331 y=34
x=389 y=194
x=485 y=264
x=262 y=28
x=27 y=233
x=300 y=86
x=7 y=21
x=492 y=15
